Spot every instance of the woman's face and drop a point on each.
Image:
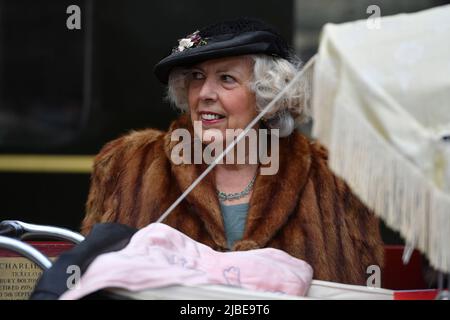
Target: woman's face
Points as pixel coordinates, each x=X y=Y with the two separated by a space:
x=219 y=96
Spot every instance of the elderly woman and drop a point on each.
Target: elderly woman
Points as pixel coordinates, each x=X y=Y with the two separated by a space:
x=221 y=77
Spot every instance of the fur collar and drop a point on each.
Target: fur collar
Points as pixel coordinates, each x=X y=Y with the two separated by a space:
x=273 y=200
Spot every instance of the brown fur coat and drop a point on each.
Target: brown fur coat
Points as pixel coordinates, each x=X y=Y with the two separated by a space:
x=304 y=209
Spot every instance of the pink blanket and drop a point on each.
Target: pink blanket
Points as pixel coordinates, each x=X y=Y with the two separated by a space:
x=159 y=255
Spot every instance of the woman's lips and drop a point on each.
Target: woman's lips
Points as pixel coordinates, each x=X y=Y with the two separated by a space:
x=211 y=118
x=211 y=122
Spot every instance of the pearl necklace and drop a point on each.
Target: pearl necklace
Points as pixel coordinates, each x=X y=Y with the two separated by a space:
x=237 y=195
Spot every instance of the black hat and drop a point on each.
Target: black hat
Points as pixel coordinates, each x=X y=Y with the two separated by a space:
x=223 y=39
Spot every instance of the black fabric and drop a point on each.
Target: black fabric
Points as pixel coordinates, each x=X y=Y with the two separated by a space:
x=103 y=238
x=227 y=38
x=238 y=26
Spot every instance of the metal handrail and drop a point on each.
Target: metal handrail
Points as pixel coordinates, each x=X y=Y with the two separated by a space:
x=26 y=250
x=21 y=230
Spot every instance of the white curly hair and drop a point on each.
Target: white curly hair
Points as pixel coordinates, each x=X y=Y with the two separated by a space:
x=270 y=76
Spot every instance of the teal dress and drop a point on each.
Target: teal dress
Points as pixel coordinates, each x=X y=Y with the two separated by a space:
x=234 y=218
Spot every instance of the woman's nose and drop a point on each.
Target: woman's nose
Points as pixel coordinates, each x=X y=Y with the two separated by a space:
x=208 y=91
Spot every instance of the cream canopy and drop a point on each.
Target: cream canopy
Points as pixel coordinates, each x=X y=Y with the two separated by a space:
x=381 y=105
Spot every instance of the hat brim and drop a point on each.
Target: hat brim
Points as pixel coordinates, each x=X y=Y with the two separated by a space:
x=219 y=47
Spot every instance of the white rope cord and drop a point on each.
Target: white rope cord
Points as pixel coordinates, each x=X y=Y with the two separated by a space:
x=239 y=137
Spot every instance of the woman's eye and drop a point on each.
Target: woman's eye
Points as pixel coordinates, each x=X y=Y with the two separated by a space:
x=197 y=75
x=227 y=78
